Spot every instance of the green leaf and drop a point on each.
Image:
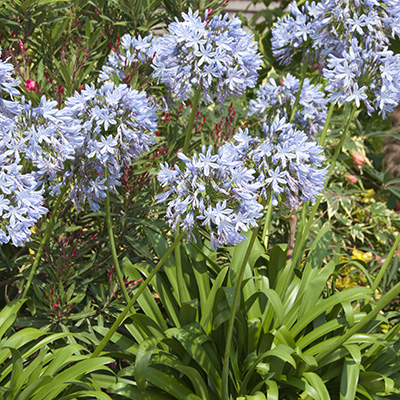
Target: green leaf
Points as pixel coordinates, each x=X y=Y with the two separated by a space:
x=171 y=385
x=318 y=384
x=145 y=350
x=75 y=372
x=349 y=380
x=208 y=309
x=8 y=315
x=194 y=341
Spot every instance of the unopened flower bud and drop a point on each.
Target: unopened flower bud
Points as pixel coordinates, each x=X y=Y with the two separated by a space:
x=352 y=179
x=358 y=158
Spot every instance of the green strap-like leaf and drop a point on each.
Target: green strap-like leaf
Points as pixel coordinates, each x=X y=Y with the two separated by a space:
x=145 y=350
x=349 y=380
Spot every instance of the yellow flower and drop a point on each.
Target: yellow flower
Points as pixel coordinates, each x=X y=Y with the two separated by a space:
x=359 y=255
x=368 y=194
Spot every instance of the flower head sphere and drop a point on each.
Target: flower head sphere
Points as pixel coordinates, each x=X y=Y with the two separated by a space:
x=273 y=99
x=32 y=150
x=214 y=192
x=117 y=123
x=287 y=165
x=131 y=53
x=328 y=27
x=350 y=41
x=217 y=55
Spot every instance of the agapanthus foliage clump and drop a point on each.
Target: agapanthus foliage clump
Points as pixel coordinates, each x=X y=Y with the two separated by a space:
x=279 y=99
x=117 y=124
x=212 y=191
x=287 y=164
x=349 y=39
x=130 y=54
x=217 y=55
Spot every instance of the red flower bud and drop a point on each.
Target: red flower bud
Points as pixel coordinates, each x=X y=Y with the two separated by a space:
x=358 y=158
x=352 y=179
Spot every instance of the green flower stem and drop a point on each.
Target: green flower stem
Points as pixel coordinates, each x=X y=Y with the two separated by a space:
x=44 y=240
x=380 y=305
x=267 y=224
x=225 y=366
x=195 y=103
x=304 y=235
x=127 y=308
x=326 y=126
x=120 y=276
x=303 y=76
x=386 y=263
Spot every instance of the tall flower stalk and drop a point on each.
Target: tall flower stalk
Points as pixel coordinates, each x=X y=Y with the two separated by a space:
x=114 y=253
x=132 y=301
x=43 y=242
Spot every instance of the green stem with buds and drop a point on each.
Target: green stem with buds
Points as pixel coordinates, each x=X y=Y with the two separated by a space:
x=192 y=117
x=44 y=240
x=120 y=276
x=127 y=308
x=225 y=365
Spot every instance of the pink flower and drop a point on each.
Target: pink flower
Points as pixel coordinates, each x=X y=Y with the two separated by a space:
x=30 y=84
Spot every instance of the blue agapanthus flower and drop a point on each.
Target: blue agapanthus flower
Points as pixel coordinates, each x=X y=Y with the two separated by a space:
x=349 y=39
x=21 y=195
x=211 y=191
x=38 y=138
x=287 y=164
x=8 y=89
x=217 y=55
x=131 y=51
x=369 y=77
x=278 y=100
x=117 y=125
x=327 y=27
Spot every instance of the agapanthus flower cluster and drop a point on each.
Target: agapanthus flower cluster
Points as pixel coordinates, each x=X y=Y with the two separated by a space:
x=350 y=41
x=327 y=27
x=131 y=51
x=117 y=124
x=8 y=85
x=39 y=138
x=21 y=203
x=212 y=191
x=217 y=55
x=365 y=76
x=21 y=196
x=287 y=164
x=278 y=100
